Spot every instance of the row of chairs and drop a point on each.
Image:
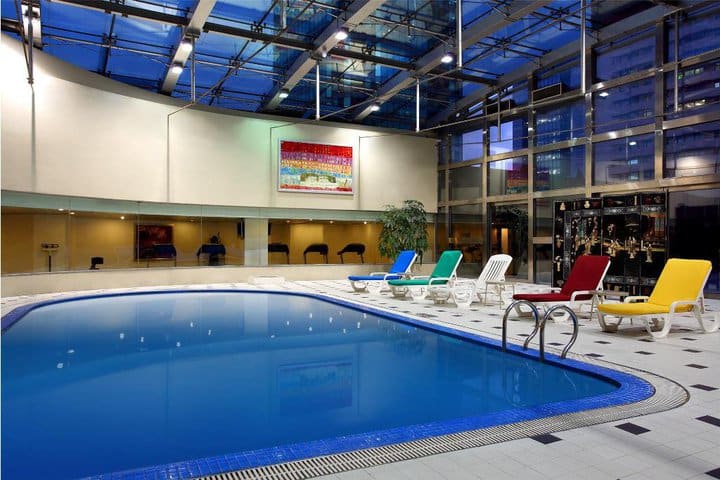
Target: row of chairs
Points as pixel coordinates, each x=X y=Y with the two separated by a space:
x=320 y=248
x=679 y=289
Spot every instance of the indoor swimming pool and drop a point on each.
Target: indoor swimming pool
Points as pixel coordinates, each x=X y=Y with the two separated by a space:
x=198 y=382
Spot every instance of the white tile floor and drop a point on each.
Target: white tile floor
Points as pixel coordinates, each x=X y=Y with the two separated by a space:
x=676 y=444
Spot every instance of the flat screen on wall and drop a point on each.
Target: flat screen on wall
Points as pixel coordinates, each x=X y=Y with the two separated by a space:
x=315 y=168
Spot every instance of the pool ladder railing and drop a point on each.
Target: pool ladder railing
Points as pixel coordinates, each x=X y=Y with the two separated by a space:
x=540 y=326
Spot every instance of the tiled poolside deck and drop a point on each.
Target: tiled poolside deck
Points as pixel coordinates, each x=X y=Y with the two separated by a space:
x=683 y=443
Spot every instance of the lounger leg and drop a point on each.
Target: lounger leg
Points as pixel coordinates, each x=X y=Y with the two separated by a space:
x=359 y=285
x=608 y=327
x=713 y=324
x=663 y=323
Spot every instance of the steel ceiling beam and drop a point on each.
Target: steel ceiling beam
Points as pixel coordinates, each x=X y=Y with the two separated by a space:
x=643 y=18
x=194 y=26
x=355 y=14
x=490 y=24
x=280 y=41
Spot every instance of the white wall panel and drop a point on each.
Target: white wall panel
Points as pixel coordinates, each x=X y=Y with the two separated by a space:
x=97 y=138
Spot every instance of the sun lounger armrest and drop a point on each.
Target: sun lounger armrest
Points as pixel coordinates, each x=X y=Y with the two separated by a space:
x=580 y=292
x=378 y=273
x=421 y=277
x=681 y=303
x=439 y=280
x=636 y=299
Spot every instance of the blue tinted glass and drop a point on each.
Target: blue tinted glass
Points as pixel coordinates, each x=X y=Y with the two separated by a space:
x=567 y=73
x=560 y=169
x=559 y=123
x=693 y=150
x=698 y=90
x=516 y=94
x=509 y=137
x=625 y=106
x=618 y=61
x=509 y=176
x=465 y=182
x=700 y=33
x=472 y=145
x=630 y=159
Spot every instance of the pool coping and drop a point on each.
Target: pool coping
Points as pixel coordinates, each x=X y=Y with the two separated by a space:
x=641 y=393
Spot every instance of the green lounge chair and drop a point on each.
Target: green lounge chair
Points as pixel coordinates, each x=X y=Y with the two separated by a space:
x=444 y=273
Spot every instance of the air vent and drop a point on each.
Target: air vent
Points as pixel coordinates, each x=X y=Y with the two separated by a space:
x=504 y=105
x=548 y=92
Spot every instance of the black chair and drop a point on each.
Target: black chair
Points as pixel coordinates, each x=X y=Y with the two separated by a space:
x=214 y=251
x=277 y=247
x=320 y=248
x=95 y=261
x=160 y=251
x=358 y=248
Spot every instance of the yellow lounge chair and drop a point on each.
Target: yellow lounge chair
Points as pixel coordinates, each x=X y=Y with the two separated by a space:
x=678 y=290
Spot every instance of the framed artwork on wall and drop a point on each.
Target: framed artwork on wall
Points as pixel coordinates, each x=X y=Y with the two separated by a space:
x=315 y=167
x=149 y=237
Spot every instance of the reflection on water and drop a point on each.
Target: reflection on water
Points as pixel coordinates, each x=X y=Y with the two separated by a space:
x=181 y=376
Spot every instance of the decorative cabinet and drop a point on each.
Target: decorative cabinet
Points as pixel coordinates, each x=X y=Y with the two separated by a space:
x=630 y=229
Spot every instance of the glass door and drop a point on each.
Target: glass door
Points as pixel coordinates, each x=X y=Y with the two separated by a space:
x=509 y=234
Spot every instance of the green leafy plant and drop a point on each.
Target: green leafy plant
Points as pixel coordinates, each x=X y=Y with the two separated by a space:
x=403 y=228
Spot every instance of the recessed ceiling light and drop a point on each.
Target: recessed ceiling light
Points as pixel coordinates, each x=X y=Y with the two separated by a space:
x=633 y=143
x=284 y=93
x=447 y=58
x=176 y=69
x=375 y=107
x=604 y=94
x=341 y=35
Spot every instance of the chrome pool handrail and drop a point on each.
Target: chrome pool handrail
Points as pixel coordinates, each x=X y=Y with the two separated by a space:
x=541 y=328
x=512 y=306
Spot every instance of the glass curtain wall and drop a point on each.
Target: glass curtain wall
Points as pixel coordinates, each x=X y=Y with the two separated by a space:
x=649 y=120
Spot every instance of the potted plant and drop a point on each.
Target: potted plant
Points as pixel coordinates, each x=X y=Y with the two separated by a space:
x=403 y=228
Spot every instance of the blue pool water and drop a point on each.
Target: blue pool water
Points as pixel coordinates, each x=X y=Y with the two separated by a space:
x=126 y=382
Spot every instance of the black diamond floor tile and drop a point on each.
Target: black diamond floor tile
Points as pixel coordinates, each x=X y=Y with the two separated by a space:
x=643 y=352
x=707 y=388
x=602 y=342
x=556 y=344
x=692 y=350
x=714 y=473
x=711 y=420
x=594 y=355
x=632 y=428
x=546 y=438
x=695 y=365
x=689 y=339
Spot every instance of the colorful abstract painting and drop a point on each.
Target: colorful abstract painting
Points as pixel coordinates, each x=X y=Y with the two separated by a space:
x=315 y=167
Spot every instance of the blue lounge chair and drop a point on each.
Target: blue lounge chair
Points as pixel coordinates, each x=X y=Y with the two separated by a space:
x=399 y=269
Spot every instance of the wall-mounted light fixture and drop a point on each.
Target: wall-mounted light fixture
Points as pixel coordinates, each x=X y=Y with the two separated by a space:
x=176 y=69
x=284 y=93
x=375 y=107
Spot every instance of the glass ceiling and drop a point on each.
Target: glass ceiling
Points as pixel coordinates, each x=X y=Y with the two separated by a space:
x=246 y=52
